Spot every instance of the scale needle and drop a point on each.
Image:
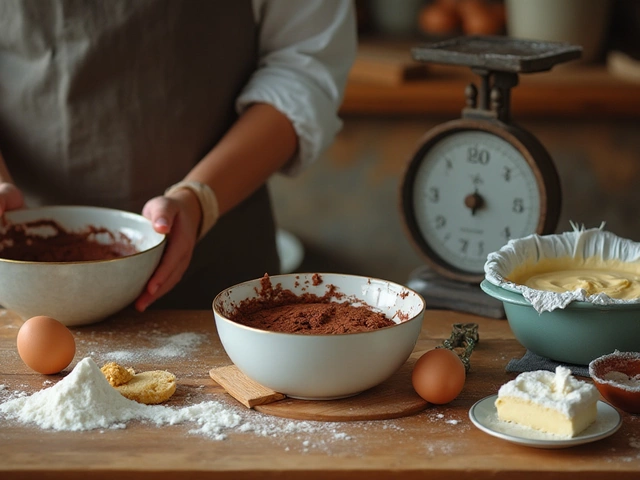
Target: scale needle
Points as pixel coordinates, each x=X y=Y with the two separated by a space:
x=473 y=201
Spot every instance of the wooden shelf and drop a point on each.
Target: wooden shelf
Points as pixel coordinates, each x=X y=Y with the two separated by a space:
x=571 y=91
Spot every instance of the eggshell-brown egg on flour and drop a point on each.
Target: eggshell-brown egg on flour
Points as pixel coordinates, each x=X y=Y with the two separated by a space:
x=45 y=345
x=438 y=376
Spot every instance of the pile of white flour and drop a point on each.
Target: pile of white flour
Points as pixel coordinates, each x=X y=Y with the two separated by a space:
x=84 y=400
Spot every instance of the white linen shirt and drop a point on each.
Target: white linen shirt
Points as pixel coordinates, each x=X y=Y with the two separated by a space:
x=306 y=49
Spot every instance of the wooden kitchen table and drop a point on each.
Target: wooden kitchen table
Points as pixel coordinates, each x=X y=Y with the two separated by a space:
x=440 y=442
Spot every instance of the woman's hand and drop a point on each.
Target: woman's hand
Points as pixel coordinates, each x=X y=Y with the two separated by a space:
x=11 y=197
x=179 y=217
x=233 y=169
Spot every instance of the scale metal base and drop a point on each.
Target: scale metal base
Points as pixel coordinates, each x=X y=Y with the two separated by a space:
x=442 y=293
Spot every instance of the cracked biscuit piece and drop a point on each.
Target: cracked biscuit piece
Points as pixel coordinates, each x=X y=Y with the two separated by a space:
x=116 y=374
x=150 y=388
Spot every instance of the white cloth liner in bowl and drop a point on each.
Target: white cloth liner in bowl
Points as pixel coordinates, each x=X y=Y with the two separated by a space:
x=578 y=243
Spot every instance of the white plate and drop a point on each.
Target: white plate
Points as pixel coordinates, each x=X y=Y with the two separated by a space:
x=483 y=414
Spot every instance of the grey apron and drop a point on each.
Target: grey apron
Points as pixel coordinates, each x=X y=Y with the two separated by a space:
x=108 y=103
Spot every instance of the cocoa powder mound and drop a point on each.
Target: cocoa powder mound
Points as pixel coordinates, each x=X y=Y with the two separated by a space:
x=281 y=310
x=16 y=243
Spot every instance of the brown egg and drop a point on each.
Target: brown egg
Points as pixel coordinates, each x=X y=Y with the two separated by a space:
x=480 y=18
x=466 y=7
x=438 y=19
x=45 y=345
x=438 y=376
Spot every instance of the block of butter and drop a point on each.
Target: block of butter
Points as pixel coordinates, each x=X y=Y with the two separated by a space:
x=552 y=402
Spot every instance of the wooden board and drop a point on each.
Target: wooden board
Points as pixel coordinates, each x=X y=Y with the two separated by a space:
x=242 y=388
x=583 y=92
x=394 y=398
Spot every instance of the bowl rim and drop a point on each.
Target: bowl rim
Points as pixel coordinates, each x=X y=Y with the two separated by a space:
x=580 y=242
x=45 y=208
x=219 y=316
x=509 y=295
x=598 y=363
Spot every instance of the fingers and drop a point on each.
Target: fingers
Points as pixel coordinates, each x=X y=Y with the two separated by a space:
x=161 y=211
x=166 y=276
x=171 y=269
x=11 y=197
x=181 y=241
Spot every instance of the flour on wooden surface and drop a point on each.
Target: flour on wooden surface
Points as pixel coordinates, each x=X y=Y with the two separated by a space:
x=84 y=400
x=174 y=346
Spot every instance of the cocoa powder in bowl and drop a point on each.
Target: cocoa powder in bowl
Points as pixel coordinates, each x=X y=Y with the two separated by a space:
x=281 y=310
x=22 y=242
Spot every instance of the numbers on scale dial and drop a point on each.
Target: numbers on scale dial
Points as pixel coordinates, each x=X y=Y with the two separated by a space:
x=473 y=193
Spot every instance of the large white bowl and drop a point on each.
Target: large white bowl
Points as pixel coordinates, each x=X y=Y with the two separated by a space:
x=322 y=367
x=78 y=293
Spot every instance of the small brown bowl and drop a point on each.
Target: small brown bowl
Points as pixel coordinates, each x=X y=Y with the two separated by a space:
x=617 y=378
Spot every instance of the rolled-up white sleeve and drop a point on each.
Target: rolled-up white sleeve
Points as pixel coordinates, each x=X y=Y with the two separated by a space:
x=306 y=48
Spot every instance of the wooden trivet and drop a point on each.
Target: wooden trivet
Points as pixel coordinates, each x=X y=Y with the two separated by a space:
x=393 y=398
x=242 y=388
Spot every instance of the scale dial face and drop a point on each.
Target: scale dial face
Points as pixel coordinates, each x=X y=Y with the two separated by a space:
x=468 y=193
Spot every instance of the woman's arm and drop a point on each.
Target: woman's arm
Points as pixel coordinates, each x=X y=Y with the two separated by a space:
x=260 y=143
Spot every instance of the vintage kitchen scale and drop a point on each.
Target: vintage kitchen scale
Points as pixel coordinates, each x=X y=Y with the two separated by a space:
x=478 y=181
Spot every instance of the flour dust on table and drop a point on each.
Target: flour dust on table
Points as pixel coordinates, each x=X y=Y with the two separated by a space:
x=84 y=400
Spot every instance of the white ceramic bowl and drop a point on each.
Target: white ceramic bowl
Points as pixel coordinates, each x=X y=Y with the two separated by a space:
x=78 y=293
x=322 y=367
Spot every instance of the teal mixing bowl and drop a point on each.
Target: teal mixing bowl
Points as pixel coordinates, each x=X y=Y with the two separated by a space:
x=577 y=334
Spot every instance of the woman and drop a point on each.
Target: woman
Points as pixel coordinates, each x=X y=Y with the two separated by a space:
x=180 y=110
